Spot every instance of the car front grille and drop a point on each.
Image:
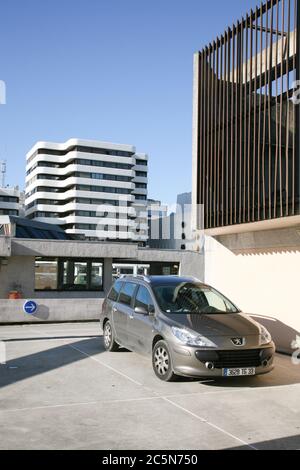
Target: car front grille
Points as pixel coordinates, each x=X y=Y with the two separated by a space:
x=235 y=358
x=245 y=358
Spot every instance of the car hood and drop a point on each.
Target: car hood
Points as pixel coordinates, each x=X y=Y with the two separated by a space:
x=227 y=324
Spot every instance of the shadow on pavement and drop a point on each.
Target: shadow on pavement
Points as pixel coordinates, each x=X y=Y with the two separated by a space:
x=283 y=443
x=47 y=360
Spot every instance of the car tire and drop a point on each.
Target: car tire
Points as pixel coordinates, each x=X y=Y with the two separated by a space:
x=162 y=363
x=108 y=338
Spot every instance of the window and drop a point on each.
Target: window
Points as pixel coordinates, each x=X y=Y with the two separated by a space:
x=9 y=199
x=9 y=212
x=141 y=174
x=127 y=292
x=75 y=275
x=189 y=297
x=96 y=276
x=115 y=290
x=141 y=162
x=45 y=274
x=68 y=274
x=143 y=298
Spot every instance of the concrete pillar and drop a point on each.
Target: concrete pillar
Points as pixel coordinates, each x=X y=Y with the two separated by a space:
x=107 y=274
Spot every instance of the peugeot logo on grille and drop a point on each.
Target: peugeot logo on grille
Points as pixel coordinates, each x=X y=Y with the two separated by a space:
x=238 y=341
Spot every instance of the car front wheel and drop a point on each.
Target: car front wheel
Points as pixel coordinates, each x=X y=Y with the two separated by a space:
x=108 y=338
x=161 y=362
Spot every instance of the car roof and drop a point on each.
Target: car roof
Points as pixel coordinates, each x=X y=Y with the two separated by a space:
x=160 y=280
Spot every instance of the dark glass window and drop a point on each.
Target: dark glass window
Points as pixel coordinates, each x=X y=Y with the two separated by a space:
x=141 y=162
x=68 y=274
x=9 y=199
x=9 y=212
x=115 y=290
x=46 y=274
x=143 y=298
x=127 y=292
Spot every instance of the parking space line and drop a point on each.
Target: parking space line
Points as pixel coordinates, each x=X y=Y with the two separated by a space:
x=204 y=421
x=46 y=338
x=105 y=365
x=87 y=403
x=169 y=401
x=237 y=390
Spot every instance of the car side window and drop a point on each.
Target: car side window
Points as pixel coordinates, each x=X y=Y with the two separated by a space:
x=143 y=298
x=114 y=292
x=126 y=293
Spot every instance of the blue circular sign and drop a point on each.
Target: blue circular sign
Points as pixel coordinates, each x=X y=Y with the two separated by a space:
x=30 y=307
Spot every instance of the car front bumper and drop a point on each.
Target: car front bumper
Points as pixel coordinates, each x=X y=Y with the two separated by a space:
x=195 y=362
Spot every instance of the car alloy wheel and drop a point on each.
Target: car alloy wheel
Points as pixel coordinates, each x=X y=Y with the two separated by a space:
x=108 y=338
x=107 y=335
x=161 y=360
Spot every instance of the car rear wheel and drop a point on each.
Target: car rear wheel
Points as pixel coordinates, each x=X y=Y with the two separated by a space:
x=161 y=362
x=108 y=338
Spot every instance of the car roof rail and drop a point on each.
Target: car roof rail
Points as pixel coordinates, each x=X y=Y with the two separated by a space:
x=138 y=276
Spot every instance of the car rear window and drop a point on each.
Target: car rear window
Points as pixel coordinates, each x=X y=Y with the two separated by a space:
x=114 y=292
x=126 y=293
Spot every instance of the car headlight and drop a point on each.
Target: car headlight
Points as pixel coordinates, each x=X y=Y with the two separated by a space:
x=190 y=339
x=264 y=335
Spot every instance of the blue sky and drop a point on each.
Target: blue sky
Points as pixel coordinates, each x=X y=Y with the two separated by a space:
x=115 y=70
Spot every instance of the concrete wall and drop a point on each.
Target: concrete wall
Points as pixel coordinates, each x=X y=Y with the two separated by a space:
x=18 y=272
x=51 y=310
x=260 y=273
x=5 y=246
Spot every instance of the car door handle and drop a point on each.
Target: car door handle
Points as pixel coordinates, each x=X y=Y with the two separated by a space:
x=114 y=310
x=131 y=317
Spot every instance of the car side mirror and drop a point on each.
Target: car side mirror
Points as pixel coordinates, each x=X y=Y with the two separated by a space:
x=141 y=311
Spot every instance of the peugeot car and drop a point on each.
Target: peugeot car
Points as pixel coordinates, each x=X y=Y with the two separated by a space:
x=187 y=327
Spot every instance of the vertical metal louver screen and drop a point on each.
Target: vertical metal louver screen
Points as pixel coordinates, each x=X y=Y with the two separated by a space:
x=247 y=122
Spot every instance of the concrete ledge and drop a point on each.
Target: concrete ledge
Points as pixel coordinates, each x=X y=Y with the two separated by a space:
x=51 y=310
x=5 y=247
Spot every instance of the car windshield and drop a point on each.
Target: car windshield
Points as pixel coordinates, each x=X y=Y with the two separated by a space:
x=187 y=297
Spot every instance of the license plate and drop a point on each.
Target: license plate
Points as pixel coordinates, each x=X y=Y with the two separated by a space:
x=239 y=372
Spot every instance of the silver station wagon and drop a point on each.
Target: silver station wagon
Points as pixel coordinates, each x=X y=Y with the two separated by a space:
x=188 y=328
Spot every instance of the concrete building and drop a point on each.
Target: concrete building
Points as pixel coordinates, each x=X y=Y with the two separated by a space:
x=156 y=213
x=68 y=278
x=94 y=188
x=246 y=164
x=10 y=201
x=173 y=231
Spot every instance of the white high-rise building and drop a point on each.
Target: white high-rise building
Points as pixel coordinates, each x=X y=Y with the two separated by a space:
x=10 y=201
x=94 y=188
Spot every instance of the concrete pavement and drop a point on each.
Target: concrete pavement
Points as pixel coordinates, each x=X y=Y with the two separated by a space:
x=59 y=389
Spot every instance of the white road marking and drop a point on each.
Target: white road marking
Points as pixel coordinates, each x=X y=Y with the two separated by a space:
x=168 y=400
x=210 y=424
x=105 y=365
x=86 y=403
x=42 y=340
